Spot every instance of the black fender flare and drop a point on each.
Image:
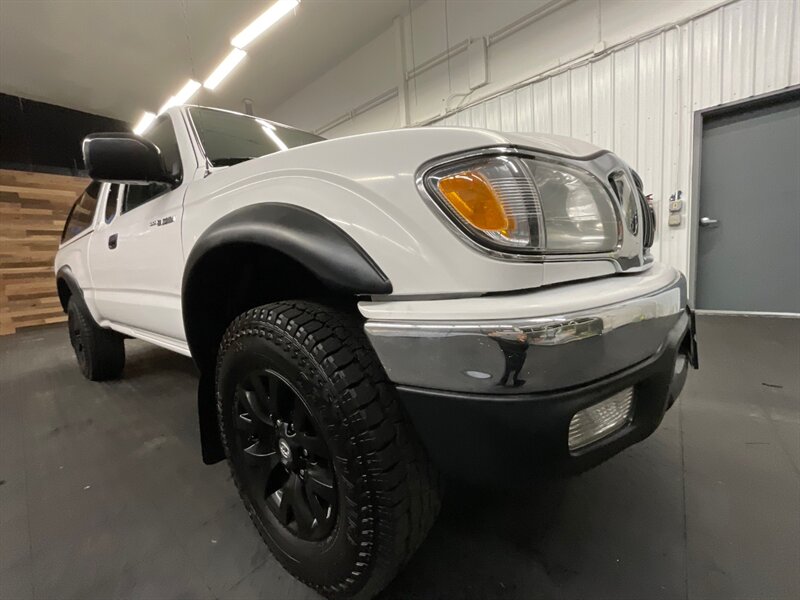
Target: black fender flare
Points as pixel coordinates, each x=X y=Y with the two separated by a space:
x=65 y=274
x=307 y=237
x=318 y=244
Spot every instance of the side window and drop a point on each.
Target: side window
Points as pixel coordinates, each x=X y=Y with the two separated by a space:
x=111 y=202
x=136 y=195
x=81 y=216
x=162 y=134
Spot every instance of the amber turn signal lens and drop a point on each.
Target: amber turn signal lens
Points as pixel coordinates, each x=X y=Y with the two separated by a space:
x=475 y=200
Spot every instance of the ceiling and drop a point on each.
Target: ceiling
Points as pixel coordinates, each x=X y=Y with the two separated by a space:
x=120 y=58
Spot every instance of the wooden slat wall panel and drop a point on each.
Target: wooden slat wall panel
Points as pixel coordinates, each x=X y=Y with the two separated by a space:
x=33 y=207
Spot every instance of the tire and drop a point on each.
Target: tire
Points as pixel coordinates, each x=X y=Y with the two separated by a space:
x=100 y=352
x=305 y=409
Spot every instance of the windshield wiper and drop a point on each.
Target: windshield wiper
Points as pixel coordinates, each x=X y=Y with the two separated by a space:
x=229 y=161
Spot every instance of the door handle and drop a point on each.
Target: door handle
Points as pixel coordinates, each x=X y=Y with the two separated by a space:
x=112 y=241
x=709 y=222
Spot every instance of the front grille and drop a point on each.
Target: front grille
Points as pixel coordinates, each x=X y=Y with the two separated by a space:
x=648 y=213
x=648 y=221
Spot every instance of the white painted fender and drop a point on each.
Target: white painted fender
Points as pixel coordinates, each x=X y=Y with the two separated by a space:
x=366 y=185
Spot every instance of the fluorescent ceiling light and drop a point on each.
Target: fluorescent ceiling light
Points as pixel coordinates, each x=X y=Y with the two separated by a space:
x=225 y=67
x=182 y=97
x=267 y=19
x=144 y=123
x=168 y=104
x=186 y=92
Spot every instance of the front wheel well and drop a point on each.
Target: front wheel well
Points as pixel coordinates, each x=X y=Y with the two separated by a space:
x=228 y=280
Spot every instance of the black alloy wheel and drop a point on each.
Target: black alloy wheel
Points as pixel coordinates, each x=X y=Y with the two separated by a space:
x=327 y=465
x=283 y=459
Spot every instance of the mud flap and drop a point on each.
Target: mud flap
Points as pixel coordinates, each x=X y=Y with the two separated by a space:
x=210 y=440
x=690 y=343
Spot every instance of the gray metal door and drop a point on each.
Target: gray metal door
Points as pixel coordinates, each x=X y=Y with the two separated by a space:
x=748 y=244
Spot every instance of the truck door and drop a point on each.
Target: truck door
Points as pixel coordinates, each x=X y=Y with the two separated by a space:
x=136 y=257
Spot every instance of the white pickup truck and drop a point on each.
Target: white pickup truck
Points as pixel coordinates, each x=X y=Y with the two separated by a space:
x=369 y=311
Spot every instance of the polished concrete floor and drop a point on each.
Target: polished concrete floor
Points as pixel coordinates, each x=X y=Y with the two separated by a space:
x=102 y=493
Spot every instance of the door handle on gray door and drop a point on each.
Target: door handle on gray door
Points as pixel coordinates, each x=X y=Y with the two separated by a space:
x=709 y=222
x=112 y=241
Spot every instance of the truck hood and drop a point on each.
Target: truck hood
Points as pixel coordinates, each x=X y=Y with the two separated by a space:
x=367 y=185
x=554 y=144
x=546 y=142
x=417 y=140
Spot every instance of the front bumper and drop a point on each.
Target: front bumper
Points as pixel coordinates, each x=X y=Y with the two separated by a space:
x=513 y=437
x=514 y=417
x=535 y=354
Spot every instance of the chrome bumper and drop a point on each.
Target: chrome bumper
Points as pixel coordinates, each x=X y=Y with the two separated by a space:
x=528 y=355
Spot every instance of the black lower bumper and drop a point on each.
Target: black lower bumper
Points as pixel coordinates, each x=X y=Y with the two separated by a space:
x=485 y=437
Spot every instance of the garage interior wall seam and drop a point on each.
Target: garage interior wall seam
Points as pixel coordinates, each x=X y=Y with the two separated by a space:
x=442 y=57
x=636 y=96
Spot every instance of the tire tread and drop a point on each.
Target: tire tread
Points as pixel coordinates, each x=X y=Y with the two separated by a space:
x=399 y=489
x=105 y=348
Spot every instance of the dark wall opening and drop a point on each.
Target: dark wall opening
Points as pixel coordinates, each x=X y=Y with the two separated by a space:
x=36 y=136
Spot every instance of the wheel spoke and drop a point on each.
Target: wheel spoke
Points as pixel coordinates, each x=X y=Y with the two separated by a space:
x=275 y=480
x=262 y=470
x=284 y=506
x=263 y=458
x=320 y=512
x=245 y=423
x=300 y=507
x=320 y=483
x=251 y=401
x=314 y=444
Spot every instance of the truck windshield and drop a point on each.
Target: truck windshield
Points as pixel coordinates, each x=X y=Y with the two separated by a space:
x=230 y=138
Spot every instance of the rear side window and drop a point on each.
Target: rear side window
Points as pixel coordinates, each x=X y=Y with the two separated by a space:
x=81 y=216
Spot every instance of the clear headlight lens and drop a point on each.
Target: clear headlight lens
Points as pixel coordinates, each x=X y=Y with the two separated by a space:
x=516 y=204
x=578 y=213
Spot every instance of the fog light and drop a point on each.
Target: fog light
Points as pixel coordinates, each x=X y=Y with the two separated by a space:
x=600 y=420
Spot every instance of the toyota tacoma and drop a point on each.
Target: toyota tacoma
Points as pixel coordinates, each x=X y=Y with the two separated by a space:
x=370 y=311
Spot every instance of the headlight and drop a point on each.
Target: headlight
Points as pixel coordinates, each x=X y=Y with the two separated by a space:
x=524 y=205
x=493 y=199
x=578 y=211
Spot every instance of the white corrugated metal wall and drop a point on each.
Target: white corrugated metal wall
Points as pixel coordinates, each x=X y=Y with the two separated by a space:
x=639 y=100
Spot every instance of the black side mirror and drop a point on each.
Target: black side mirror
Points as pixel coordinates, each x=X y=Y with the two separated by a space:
x=124 y=158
